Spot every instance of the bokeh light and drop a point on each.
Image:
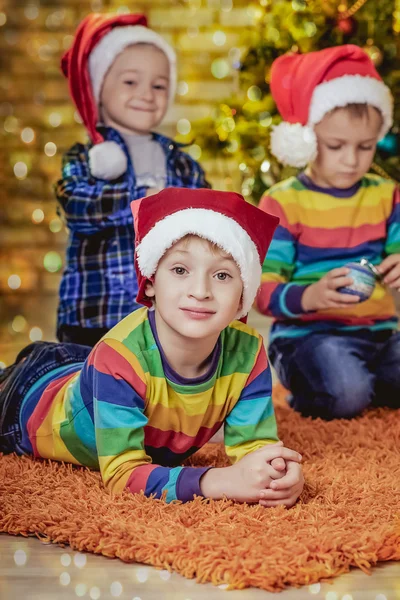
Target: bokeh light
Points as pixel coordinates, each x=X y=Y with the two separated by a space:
x=14 y=282
x=35 y=334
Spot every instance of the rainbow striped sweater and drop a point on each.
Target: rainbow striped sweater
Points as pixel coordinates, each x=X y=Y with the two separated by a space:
x=128 y=414
x=321 y=229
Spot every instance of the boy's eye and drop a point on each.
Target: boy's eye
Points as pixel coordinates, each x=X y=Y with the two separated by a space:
x=179 y=270
x=160 y=87
x=223 y=276
x=130 y=82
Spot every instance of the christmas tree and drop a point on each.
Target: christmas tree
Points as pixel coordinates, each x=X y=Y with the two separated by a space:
x=240 y=127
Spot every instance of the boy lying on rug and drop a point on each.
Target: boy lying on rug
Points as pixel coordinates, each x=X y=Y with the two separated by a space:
x=159 y=384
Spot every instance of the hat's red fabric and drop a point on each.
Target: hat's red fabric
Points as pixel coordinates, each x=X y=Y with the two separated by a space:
x=147 y=212
x=294 y=77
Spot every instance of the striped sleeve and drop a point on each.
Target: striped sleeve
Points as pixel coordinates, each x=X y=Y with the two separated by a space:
x=278 y=297
x=119 y=386
x=251 y=423
x=392 y=245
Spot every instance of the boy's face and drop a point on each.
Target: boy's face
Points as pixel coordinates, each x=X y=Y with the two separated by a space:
x=134 y=96
x=346 y=147
x=197 y=289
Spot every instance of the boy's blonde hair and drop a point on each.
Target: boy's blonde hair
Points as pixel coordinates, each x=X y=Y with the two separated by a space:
x=357 y=110
x=215 y=249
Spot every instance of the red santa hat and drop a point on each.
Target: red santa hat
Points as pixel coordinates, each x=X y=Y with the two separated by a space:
x=99 y=39
x=306 y=87
x=224 y=218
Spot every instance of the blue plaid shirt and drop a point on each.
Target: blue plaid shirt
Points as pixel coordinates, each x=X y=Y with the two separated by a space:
x=99 y=285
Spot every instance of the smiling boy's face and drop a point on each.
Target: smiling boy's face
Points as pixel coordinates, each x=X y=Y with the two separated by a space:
x=197 y=289
x=135 y=92
x=346 y=147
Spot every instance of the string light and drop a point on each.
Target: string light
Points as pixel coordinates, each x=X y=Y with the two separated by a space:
x=55 y=225
x=314 y=588
x=142 y=574
x=80 y=589
x=182 y=88
x=18 y=323
x=35 y=334
x=11 y=124
x=265 y=166
x=31 y=12
x=14 y=282
x=20 y=170
x=254 y=93
x=219 y=38
x=52 y=262
x=27 y=135
x=116 y=589
x=183 y=126
x=94 y=593
x=80 y=560
x=65 y=578
x=37 y=215
x=50 y=149
x=220 y=68
x=65 y=560
x=55 y=119
x=20 y=558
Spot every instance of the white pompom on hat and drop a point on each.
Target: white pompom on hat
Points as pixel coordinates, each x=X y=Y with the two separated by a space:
x=306 y=87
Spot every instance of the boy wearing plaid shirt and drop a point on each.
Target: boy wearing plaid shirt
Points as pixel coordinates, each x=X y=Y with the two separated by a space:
x=122 y=78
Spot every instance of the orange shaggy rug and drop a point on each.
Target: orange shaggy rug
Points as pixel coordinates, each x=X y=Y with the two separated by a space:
x=348 y=515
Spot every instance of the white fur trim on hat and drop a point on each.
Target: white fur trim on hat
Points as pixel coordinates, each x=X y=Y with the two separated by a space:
x=107 y=161
x=219 y=229
x=113 y=43
x=349 y=89
x=293 y=144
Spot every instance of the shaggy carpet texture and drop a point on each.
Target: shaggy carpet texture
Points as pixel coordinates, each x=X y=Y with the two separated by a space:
x=348 y=515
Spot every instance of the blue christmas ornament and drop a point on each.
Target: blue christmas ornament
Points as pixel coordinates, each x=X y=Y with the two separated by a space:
x=390 y=144
x=364 y=276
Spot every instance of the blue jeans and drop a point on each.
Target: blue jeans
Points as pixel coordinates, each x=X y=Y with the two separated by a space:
x=31 y=364
x=336 y=375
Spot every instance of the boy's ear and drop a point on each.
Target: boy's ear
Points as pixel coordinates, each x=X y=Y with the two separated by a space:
x=149 y=288
x=240 y=302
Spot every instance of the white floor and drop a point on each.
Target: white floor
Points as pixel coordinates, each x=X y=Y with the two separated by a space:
x=32 y=570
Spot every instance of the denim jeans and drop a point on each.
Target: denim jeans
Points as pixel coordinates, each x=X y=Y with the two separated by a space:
x=336 y=375
x=80 y=335
x=31 y=364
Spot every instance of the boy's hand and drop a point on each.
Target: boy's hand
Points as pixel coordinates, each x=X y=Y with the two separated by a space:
x=390 y=269
x=286 y=490
x=245 y=480
x=324 y=294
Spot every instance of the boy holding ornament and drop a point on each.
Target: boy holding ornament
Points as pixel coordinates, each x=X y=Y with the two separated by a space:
x=334 y=344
